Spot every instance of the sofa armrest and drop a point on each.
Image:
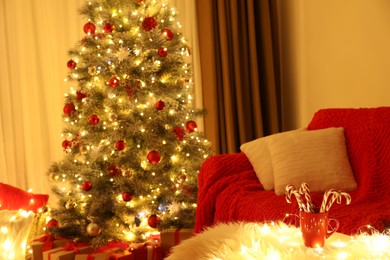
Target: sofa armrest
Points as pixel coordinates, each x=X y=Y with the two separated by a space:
x=222 y=165
x=216 y=173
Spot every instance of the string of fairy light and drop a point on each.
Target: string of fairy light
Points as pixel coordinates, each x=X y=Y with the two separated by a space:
x=98 y=82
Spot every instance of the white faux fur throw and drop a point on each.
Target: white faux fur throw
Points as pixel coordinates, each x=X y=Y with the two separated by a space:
x=239 y=241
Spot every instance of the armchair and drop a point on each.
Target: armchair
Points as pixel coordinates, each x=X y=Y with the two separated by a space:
x=229 y=189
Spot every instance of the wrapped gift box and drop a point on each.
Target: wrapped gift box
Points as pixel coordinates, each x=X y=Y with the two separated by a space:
x=63 y=253
x=146 y=251
x=44 y=243
x=122 y=256
x=97 y=256
x=173 y=236
x=117 y=253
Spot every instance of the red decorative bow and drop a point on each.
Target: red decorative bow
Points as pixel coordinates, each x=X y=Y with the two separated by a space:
x=47 y=240
x=70 y=246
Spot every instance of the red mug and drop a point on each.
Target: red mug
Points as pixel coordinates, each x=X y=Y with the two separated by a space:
x=316 y=228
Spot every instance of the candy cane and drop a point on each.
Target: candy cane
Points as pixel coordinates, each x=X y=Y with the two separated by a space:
x=335 y=196
x=325 y=199
x=305 y=190
x=348 y=198
x=291 y=190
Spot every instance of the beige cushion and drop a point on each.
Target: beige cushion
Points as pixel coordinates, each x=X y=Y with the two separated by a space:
x=317 y=157
x=259 y=156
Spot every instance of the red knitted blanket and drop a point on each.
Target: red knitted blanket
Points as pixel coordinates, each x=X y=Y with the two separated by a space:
x=230 y=191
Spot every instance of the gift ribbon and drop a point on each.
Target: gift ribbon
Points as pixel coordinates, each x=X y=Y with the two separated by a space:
x=47 y=240
x=112 y=245
x=56 y=251
x=151 y=251
x=70 y=246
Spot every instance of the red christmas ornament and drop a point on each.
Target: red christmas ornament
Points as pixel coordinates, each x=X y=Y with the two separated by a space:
x=94 y=120
x=153 y=221
x=89 y=28
x=179 y=131
x=154 y=157
x=160 y=105
x=69 y=109
x=108 y=28
x=52 y=224
x=71 y=64
x=127 y=196
x=168 y=34
x=86 y=186
x=131 y=89
x=113 y=82
x=191 y=126
x=120 y=145
x=149 y=23
x=162 y=52
x=80 y=95
x=113 y=170
x=66 y=144
x=139 y=1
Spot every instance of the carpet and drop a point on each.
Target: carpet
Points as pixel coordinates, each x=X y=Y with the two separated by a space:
x=239 y=241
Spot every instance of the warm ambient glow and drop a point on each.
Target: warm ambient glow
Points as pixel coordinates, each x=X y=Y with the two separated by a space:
x=14 y=230
x=279 y=241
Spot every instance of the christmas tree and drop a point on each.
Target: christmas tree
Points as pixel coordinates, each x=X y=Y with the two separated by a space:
x=132 y=149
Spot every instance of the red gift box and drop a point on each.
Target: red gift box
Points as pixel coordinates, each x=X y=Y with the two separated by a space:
x=173 y=236
x=44 y=243
x=116 y=251
x=67 y=252
x=146 y=251
x=97 y=256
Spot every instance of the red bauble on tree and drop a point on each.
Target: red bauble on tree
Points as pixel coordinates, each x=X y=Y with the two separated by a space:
x=113 y=170
x=69 y=109
x=191 y=126
x=94 y=120
x=168 y=34
x=160 y=105
x=66 y=144
x=80 y=95
x=113 y=82
x=52 y=223
x=149 y=23
x=108 y=28
x=179 y=131
x=127 y=196
x=153 y=221
x=86 y=186
x=154 y=157
x=89 y=28
x=71 y=64
x=120 y=145
x=162 y=52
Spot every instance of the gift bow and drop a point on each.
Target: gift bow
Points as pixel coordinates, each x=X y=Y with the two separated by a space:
x=71 y=246
x=48 y=241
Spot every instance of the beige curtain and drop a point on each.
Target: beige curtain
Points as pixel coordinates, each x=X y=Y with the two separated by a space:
x=34 y=39
x=240 y=70
x=35 y=36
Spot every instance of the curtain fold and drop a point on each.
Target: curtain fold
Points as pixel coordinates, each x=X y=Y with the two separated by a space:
x=34 y=39
x=239 y=61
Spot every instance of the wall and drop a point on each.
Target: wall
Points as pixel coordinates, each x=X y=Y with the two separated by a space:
x=335 y=53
